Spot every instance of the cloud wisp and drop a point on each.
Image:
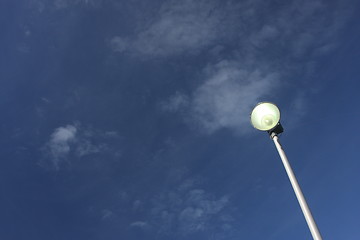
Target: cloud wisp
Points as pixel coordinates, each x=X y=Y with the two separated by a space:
x=179 y=27
x=190 y=26
x=228 y=94
x=74 y=141
x=61 y=4
x=185 y=211
x=60 y=143
x=272 y=46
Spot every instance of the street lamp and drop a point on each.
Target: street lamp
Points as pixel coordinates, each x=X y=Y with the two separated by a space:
x=266 y=117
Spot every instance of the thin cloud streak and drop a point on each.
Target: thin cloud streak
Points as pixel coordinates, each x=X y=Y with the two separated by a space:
x=179 y=27
x=139 y=224
x=61 y=4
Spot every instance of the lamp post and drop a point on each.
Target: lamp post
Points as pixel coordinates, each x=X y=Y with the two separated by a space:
x=266 y=117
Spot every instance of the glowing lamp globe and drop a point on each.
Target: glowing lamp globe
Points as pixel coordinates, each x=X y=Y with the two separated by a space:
x=265 y=116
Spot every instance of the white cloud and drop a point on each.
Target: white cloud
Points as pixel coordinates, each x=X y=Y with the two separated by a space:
x=266 y=34
x=192 y=26
x=106 y=214
x=60 y=4
x=179 y=27
x=119 y=44
x=85 y=147
x=183 y=210
x=198 y=209
x=139 y=224
x=187 y=210
x=60 y=143
x=270 y=45
x=176 y=102
x=225 y=99
x=74 y=141
x=191 y=219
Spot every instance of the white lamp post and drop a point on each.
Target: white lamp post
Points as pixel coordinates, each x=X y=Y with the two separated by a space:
x=266 y=117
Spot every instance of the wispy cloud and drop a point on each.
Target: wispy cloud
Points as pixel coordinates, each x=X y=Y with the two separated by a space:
x=139 y=224
x=176 y=102
x=201 y=208
x=228 y=94
x=60 y=4
x=183 y=211
x=61 y=141
x=273 y=47
x=179 y=27
x=188 y=210
x=106 y=214
x=75 y=141
x=193 y=26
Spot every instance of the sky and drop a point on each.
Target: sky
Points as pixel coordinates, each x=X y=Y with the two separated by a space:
x=129 y=119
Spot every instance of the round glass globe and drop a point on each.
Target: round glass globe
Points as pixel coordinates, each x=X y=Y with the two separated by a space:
x=265 y=116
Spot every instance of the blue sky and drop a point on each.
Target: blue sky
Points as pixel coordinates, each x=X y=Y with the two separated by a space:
x=129 y=119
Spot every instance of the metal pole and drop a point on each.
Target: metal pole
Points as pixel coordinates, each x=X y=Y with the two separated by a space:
x=300 y=197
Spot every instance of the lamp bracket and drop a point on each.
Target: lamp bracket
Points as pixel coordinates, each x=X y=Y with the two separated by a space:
x=276 y=130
